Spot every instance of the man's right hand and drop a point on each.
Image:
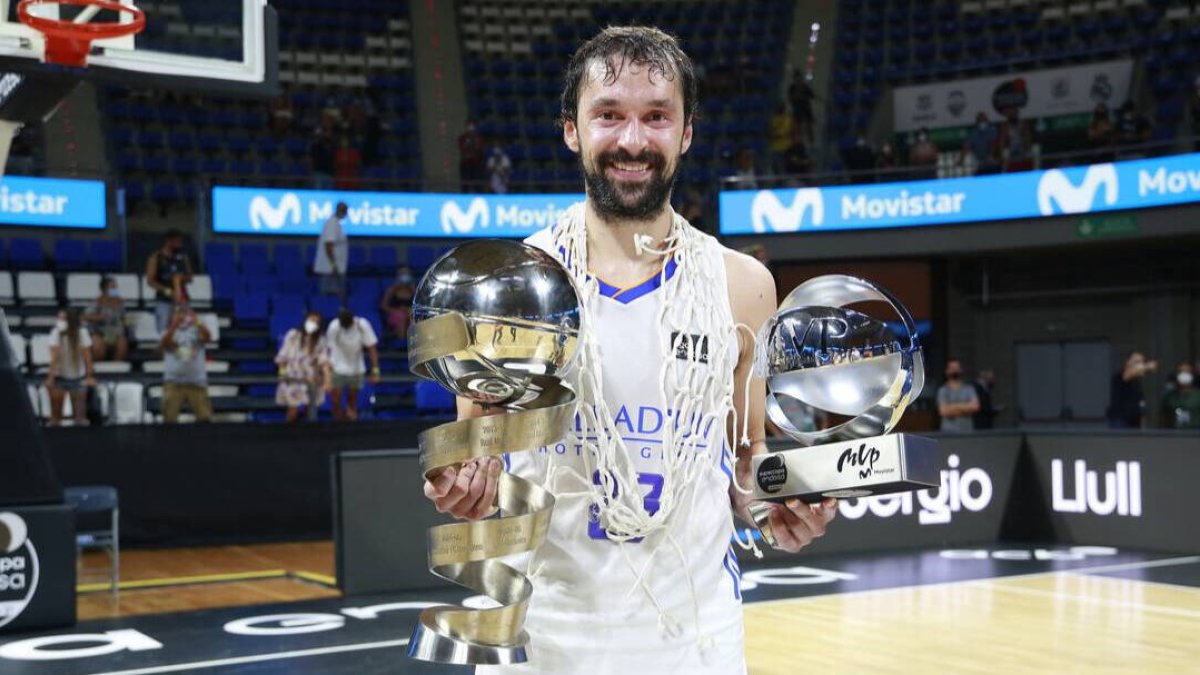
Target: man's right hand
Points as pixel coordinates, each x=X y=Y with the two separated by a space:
x=467 y=492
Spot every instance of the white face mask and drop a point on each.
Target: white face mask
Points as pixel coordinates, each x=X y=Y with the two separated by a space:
x=1184 y=379
x=114 y=293
x=311 y=326
x=61 y=324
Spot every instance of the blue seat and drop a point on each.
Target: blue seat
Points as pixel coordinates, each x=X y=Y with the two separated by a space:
x=226 y=286
x=218 y=258
x=253 y=258
x=280 y=324
x=26 y=254
x=420 y=258
x=251 y=309
x=383 y=259
x=432 y=398
x=326 y=305
x=287 y=260
x=357 y=261
x=70 y=255
x=3 y=253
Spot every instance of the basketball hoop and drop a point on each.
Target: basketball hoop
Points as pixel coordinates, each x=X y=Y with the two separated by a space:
x=69 y=42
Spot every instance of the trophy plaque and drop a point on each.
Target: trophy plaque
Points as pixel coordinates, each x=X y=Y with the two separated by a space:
x=496 y=322
x=817 y=352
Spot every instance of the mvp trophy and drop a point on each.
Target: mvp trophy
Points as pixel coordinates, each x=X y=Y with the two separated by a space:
x=816 y=352
x=496 y=322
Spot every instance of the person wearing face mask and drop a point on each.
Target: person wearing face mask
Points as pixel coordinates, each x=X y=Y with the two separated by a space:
x=981 y=144
x=185 y=379
x=396 y=303
x=349 y=336
x=168 y=272
x=1181 y=405
x=924 y=154
x=70 y=371
x=106 y=318
x=1127 y=400
x=957 y=402
x=304 y=370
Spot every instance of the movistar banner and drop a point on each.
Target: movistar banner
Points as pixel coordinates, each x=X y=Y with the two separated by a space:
x=385 y=214
x=52 y=202
x=1087 y=189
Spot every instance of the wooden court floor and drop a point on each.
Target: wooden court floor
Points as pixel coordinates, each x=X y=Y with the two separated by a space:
x=1074 y=621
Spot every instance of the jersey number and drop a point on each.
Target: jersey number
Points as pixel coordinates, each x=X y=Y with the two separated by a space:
x=650 y=502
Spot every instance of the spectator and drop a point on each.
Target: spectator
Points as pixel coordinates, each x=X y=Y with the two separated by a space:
x=333 y=252
x=107 y=321
x=347 y=163
x=886 y=161
x=783 y=127
x=689 y=203
x=956 y=402
x=924 y=155
x=396 y=303
x=1181 y=405
x=499 y=168
x=1015 y=141
x=985 y=418
x=744 y=176
x=304 y=371
x=70 y=371
x=801 y=96
x=798 y=160
x=471 y=157
x=1101 y=134
x=348 y=337
x=184 y=376
x=1127 y=401
x=980 y=144
x=1132 y=127
x=1194 y=105
x=168 y=271
x=282 y=113
x=860 y=157
x=321 y=155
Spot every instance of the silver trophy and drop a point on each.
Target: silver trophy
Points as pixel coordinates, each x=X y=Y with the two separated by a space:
x=817 y=353
x=496 y=322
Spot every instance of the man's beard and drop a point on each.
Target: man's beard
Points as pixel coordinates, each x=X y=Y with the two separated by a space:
x=615 y=200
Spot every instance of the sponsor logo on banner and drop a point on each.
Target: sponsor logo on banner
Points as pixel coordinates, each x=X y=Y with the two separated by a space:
x=456 y=221
x=18 y=567
x=375 y=214
x=52 y=202
x=264 y=215
x=967 y=489
x=1121 y=493
x=768 y=214
x=1055 y=189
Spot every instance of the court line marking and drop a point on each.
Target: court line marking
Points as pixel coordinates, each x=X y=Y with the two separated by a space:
x=258 y=658
x=322 y=579
x=184 y=581
x=1185 y=560
x=999 y=585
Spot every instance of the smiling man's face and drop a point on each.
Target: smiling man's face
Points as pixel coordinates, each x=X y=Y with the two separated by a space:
x=630 y=133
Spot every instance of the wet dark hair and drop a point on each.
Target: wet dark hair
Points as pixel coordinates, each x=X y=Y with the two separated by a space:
x=617 y=46
x=342 y=209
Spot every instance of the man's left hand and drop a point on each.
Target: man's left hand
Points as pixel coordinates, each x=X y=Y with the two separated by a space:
x=796 y=524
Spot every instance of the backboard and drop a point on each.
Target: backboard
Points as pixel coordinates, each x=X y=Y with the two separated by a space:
x=226 y=47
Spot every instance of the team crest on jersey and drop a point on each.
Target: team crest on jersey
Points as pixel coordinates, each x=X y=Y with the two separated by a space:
x=689 y=345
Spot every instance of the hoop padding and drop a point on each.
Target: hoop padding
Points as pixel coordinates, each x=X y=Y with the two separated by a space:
x=67 y=42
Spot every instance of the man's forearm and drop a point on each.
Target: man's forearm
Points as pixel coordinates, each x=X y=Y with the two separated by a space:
x=739 y=500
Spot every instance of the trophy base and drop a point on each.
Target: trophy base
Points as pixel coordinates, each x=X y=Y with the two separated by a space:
x=862 y=467
x=426 y=644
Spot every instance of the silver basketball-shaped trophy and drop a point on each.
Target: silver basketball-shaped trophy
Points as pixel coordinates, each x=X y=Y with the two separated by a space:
x=818 y=353
x=496 y=322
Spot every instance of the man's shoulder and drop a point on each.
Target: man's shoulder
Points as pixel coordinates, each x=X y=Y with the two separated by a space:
x=744 y=270
x=543 y=239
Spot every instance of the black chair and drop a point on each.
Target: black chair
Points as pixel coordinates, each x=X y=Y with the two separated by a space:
x=98 y=499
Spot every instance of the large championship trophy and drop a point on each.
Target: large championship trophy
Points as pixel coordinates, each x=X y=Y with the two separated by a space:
x=496 y=322
x=817 y=352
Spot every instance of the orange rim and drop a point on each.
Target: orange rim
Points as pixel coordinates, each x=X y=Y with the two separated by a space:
x=67 y=42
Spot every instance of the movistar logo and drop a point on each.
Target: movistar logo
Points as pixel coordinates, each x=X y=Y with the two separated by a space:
x=264 y=215
x=1055 y=189
x=456 y=221
x=768 y=214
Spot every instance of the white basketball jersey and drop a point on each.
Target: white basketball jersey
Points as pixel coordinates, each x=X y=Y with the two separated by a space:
x=603 y=607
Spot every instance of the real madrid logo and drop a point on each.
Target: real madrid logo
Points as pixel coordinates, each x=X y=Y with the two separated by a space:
x=18 y=567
